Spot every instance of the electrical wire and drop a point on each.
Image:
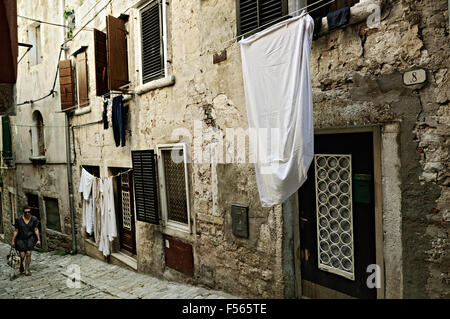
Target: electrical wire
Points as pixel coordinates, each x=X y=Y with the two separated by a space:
x=51 y=23
x=285 y=16
x=59 y=58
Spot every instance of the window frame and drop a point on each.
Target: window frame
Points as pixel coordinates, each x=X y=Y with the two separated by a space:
x=37 y=135
x=140 y=9
x=240 y=35
x=78 y=61
x=34 y=58
x=49 y=199
x=170 y=224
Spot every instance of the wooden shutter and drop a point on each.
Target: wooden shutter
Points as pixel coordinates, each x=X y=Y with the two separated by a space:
x=145 y=188
x=252 y=15
x=101 y=66
x=66 y=84
x=6 y=135
x=117 y=53
x=152 y=42
x=83 y=97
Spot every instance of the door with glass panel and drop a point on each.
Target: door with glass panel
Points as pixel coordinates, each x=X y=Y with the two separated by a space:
x=127 y=230
x=337 y=218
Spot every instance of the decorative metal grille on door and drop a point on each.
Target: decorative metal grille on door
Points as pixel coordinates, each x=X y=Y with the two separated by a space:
x=175 y=180
x=126 y=210
x=334 y=214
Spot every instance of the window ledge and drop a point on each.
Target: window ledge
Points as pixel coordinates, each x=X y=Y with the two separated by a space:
x=156 y=84
x=38 y=159
x=359 y=12
x=83 y=110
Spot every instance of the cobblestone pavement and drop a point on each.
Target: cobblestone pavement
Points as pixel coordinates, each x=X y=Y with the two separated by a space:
x=52 y=273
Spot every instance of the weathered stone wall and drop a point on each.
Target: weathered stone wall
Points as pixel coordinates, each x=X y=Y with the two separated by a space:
x=34 y=82
x=357 y=80
x=213 y=95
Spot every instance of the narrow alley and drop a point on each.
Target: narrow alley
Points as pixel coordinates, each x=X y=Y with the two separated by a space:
x=52 y=274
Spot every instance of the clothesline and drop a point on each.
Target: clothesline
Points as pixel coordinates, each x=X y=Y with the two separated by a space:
x=285 y=16
x=114 y=176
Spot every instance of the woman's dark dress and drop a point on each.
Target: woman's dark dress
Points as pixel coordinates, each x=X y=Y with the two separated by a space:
x=26 y=238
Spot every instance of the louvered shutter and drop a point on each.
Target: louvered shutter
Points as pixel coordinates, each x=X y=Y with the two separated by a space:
x=253 y=15
x=145 y=188
x=66 y=84
x=117 y=53
x=101 y=72
x=6 y=135
x=152 y=42
x=82 y=79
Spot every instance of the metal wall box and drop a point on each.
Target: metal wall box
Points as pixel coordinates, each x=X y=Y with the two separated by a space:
x=239 y=216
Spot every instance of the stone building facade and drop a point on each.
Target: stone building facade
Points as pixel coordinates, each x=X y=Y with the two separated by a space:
x=362 y=107
x=36 y=173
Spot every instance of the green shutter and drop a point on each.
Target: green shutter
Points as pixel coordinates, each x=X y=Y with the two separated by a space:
x=6 y=133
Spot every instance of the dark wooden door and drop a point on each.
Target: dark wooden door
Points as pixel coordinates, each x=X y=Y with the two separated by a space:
x=33 y=202
x=127 y=229
x=337 y=217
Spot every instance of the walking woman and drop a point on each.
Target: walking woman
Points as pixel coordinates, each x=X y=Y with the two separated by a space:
x=24 y=238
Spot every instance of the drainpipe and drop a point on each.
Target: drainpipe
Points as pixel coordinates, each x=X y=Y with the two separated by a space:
x=69 y=178
x=69 y=165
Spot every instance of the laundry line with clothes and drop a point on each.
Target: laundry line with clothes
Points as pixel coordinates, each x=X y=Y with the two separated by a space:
x=99 y=215
x=115 y=115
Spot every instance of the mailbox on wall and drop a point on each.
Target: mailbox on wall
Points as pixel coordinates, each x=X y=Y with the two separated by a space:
x=239 y=216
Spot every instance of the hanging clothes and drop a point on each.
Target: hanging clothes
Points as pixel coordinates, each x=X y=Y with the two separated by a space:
x=278 y=95
x=97 y=210
x=118 y=121
x=85 y=188
x=338 y=18
x=109 y=112
x=105 y=115
x=108 y=216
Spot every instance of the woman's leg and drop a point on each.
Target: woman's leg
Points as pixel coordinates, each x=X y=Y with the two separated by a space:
x=27 y=262
x=22 y=257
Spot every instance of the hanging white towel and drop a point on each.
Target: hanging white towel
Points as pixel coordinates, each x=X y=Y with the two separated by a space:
x=85 y=188
x=278 y=95
x=108 y=225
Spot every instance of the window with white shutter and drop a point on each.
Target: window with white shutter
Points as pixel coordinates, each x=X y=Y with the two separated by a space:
x=152 y=41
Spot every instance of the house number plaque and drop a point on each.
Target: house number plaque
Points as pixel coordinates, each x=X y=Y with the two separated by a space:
x=414 y=77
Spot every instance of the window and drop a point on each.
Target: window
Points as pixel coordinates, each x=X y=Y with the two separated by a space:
x=255 y=15
x=37 y=135
x=145 y=191
x=174 y=186
x=33 y=202
x=34 y=38
x=82 y=80
x=52 y=214
x=153 y=46
x=6 y=138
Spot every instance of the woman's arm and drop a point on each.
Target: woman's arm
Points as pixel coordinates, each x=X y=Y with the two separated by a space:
x=36 y=231
x=13 y=240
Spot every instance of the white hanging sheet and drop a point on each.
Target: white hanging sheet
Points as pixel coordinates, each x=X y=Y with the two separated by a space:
x=85 y=188
x=278 y=95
